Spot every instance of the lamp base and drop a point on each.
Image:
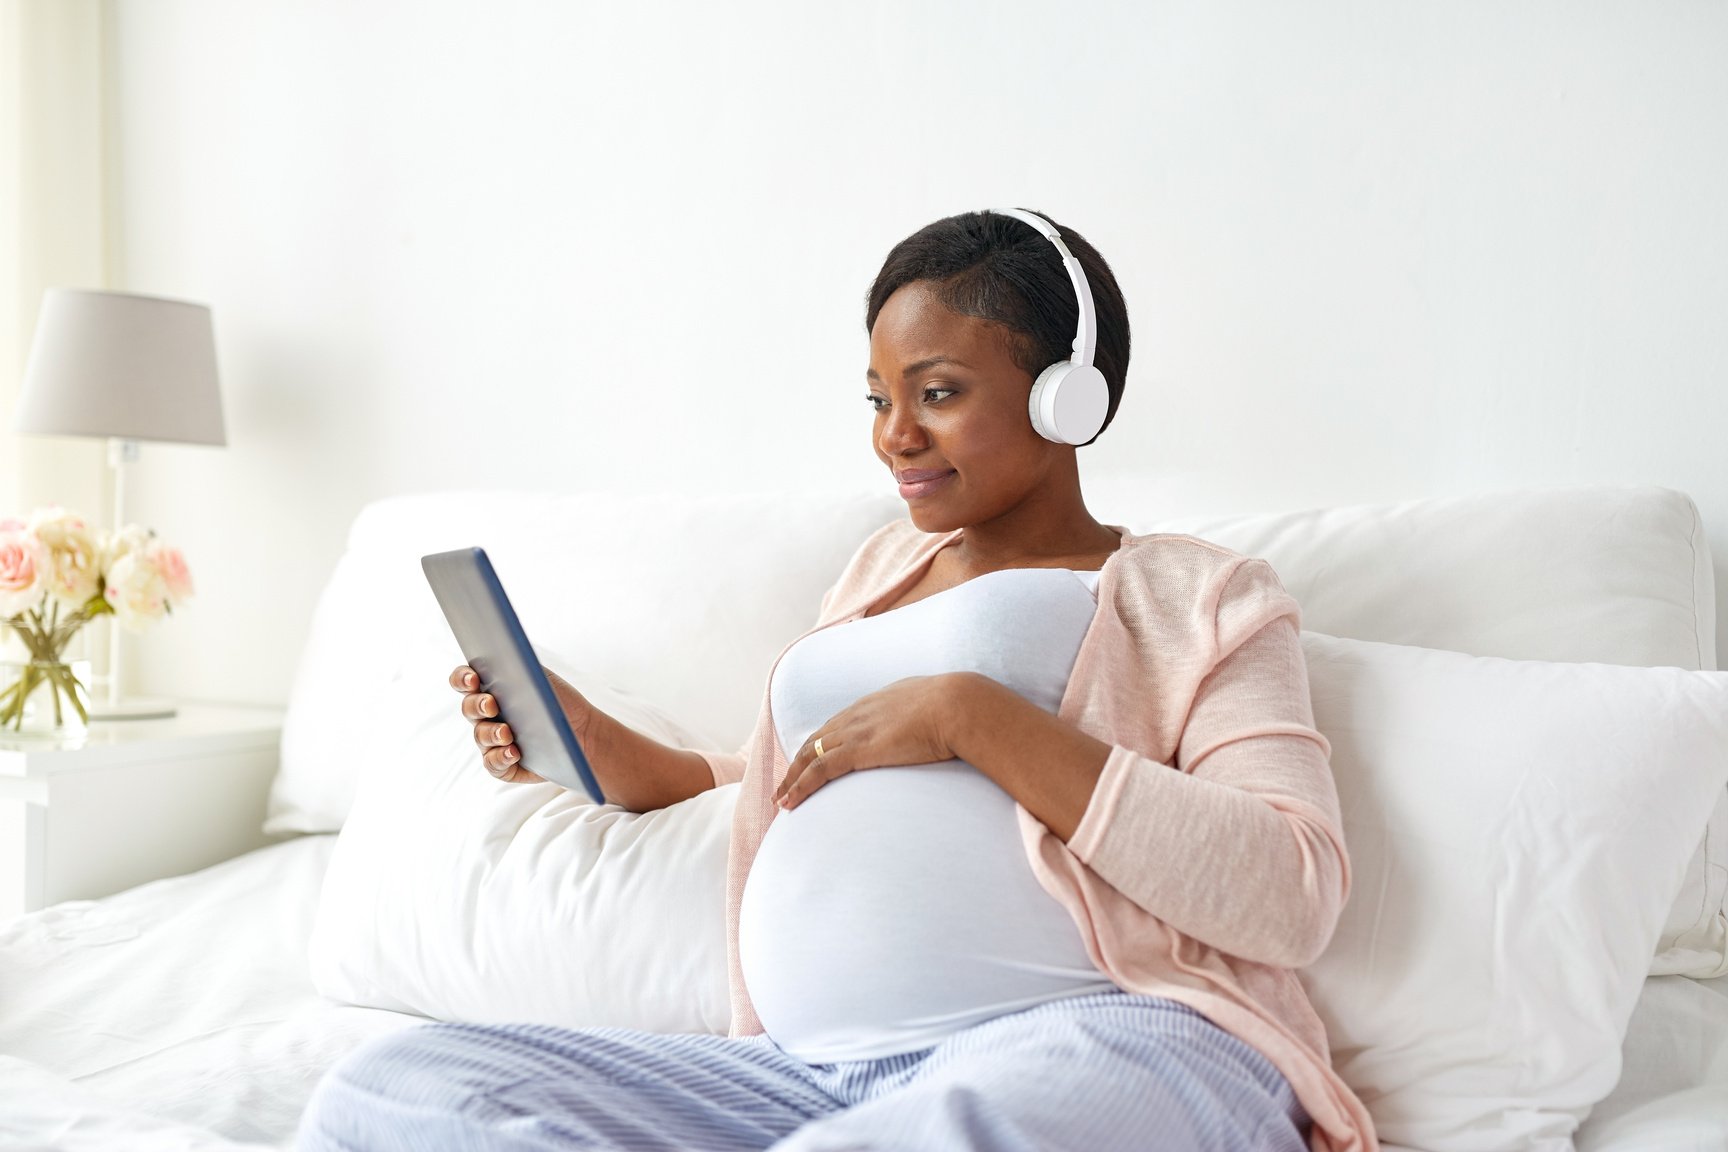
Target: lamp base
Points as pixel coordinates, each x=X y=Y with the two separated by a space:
x=141 y=709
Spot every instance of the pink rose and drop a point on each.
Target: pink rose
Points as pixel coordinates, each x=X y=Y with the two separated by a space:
x=172 y=567
x=20 y=568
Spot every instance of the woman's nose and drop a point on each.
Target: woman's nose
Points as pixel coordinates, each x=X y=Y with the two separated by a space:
x=902 y=431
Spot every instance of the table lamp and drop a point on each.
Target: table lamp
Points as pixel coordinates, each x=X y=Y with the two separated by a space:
x=127 y=368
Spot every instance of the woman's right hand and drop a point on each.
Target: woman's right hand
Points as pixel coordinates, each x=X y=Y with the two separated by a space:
x=636 y=772
x=498 y=750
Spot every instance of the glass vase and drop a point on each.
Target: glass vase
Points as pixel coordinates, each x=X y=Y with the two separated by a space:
x=47 y=698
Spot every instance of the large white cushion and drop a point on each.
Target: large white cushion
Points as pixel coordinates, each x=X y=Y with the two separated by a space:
x=459 y=897
x=681 y=600
x=1607 y=574
x=1516 y=829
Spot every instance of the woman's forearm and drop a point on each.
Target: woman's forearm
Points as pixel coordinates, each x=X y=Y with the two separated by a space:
x=1049 y=766
x=637 y=771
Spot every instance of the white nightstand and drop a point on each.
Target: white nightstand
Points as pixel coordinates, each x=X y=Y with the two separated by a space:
x=130 y=801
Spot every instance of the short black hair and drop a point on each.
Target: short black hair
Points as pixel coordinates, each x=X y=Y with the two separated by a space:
x=1001 y=269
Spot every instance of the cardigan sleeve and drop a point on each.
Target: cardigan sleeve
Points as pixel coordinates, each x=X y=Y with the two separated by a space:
x=1240 y=846
x=727 y=767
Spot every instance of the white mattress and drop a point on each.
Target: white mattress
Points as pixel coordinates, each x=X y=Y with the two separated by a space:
x=180 y=1015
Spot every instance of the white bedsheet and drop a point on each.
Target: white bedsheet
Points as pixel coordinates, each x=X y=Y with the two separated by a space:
x=181 y=1010
x=1673 y=1090
x=180 y=1015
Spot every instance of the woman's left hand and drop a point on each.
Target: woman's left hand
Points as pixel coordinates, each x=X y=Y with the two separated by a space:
x=908 y=722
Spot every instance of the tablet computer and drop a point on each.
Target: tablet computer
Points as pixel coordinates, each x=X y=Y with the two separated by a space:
x=495 y=646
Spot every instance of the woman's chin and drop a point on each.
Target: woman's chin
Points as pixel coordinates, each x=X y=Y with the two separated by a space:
x=928 y=517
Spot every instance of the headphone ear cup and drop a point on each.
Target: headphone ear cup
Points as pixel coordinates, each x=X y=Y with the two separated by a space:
x=1069 y=402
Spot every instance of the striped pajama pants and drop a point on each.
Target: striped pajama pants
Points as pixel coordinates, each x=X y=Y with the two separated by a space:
x=1094 y=1073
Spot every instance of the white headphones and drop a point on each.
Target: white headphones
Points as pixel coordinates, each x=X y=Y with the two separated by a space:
x=1069 y=399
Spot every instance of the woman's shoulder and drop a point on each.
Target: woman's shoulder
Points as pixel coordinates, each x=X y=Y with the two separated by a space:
x=1180 y=569
x=1164 y=551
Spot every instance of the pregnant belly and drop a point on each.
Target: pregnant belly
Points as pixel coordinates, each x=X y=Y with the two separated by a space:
x=896 y=906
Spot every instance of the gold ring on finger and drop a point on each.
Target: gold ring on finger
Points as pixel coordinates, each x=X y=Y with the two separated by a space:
x=818 y=747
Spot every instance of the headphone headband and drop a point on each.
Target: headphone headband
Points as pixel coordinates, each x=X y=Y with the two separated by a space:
x=1086 y=334
x=1070 y=399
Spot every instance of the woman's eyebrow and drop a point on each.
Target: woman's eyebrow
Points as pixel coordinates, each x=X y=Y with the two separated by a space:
x=920 y=366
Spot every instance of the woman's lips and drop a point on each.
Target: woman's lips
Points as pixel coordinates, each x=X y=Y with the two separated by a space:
x=916 y=482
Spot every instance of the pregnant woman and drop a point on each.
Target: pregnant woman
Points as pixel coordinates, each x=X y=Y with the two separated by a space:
x=1035 y=825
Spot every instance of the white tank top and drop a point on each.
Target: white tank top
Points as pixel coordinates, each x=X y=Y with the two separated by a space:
x=895 y=906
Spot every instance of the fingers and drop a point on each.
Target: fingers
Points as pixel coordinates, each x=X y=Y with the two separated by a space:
x=504 y=764
x=476 y=705
x=808 y=771
x=497 y=743
x=493 y=733
x=479 y=705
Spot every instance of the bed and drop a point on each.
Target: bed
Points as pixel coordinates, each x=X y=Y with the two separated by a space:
x=204 y=1061
x=198 y=1012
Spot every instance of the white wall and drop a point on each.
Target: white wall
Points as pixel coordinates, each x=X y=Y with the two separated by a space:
x=1372 y=251
x=53 y=222
x=54 y=229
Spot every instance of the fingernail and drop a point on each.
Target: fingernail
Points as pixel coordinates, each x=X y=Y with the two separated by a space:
x=509 y=753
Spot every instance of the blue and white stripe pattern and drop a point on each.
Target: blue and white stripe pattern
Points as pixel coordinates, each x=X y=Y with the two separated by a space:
x=1094 y=1073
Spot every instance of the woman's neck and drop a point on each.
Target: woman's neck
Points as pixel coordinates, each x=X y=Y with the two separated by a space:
x=1043 y=533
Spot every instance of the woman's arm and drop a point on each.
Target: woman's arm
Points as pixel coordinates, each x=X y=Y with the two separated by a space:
x=638 y=772
x=1241 y=851
x=1238 y=842
x=1049 y=766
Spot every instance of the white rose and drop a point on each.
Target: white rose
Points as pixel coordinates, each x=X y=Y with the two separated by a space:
x=136 y=591
x=119 y=542
x=72 y=564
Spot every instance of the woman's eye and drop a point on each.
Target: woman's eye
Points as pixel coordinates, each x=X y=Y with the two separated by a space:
x=931 y=396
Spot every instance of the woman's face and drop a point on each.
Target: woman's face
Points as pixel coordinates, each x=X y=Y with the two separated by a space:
x=951 y=420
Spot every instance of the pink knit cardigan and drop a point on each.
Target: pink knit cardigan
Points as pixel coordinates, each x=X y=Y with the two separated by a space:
x=1210 y=862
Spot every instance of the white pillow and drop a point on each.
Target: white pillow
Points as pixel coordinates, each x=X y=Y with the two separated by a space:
x=459 y=897
x=1615 y=574
x=1517 y=831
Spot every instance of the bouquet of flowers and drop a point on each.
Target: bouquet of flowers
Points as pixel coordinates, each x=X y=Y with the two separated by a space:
x=56 y=575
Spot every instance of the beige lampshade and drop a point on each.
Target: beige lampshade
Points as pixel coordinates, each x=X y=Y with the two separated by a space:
x=121 y=365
